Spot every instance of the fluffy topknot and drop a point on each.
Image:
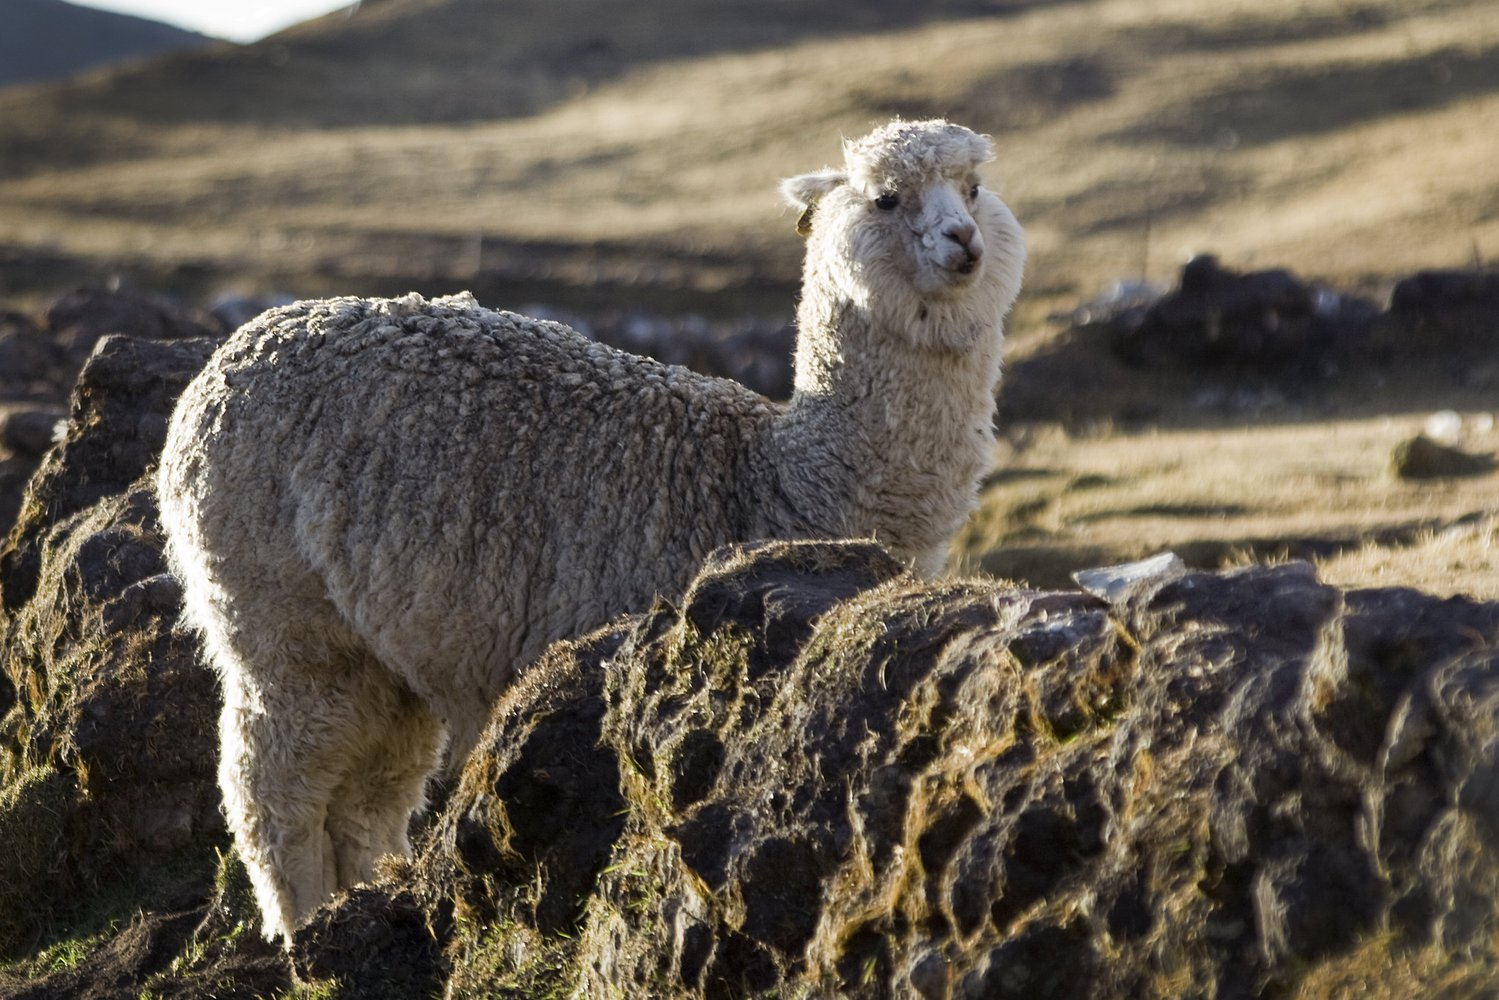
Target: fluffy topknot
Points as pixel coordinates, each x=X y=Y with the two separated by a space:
x=914 y=153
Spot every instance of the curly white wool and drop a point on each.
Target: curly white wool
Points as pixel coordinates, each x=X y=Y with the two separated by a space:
x=380 y=510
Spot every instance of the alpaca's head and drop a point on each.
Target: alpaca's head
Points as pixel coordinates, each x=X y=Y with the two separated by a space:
x=907 y=218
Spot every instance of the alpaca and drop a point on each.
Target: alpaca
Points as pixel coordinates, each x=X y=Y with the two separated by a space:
x=381 y=510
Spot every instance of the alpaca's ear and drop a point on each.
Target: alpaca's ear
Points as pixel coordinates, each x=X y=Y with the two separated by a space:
x=804 y=190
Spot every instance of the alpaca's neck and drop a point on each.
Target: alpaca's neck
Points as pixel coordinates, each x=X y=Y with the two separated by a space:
x=890 y=425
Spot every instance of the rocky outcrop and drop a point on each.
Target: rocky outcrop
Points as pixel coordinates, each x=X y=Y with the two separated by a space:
x=40 y=360
x=821 y=777
x=1240 y=343
x=107 y=722
x=1264 y=321
x=1272 y=323
x=1445 y=313
x=1267 y=323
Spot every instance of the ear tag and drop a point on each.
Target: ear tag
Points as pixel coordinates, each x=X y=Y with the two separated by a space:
x=804 y=224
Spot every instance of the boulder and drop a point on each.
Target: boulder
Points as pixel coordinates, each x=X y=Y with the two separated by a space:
x=1260 y=322
x=40 y=361
x=822 y=777
x=28 y=431
x=1420 y=457
x=107 y=720
x=80 y=319
x=31 y=361
x=1448 y=318
x=1449 y=311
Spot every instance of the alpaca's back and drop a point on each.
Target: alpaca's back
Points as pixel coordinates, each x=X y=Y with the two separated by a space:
x=458 y=486
x=381 y=509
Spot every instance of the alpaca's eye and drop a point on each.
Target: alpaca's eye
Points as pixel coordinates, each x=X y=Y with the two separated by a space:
x=887 y=201
x=973 y=192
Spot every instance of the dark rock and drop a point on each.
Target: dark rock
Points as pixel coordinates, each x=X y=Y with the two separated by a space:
x=1426 y=293
x=1422 y=458
x=1243 y=342
x=104 y=453
x=102 y=698
x=1452 y=315
x=388 y=946
x=548 y=797
x=109 y=807
x=30 y=359
x=40 y=364
x=1261 y=322
x=28 y=430
x=79 y=320
x=1221 y=784
x=15 y=472
x=822 y=771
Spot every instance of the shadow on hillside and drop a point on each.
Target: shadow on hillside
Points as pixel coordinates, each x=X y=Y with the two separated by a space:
x=1011 y=98
x=1239 y=33
x=1307 y=100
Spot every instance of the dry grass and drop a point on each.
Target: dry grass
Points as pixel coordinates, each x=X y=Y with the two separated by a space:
x=1462 y=558
x=1221 y=495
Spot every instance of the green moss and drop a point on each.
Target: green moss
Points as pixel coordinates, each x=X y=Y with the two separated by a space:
x=53 y=914
x=61 y=955
x=33 y=864
x=233 y=896
x=314 y=989
x=510 y=960
x=232 y=917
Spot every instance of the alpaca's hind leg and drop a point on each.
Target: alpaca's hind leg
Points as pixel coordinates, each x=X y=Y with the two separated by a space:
x=372 y=807
x=277 y=808
x=286 y=747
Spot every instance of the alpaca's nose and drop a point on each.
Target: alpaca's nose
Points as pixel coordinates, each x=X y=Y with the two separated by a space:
x=963 y=233
x=960 y=232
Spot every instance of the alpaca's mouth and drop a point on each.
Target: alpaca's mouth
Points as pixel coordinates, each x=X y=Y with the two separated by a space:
x=966 y=266
x=963 y=260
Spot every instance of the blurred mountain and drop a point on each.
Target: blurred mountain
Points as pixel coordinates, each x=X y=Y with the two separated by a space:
x=390 y=62
x=50 y=39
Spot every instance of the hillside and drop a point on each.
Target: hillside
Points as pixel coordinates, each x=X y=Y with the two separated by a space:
x=401 y=62
x=49 y=39
x=1348 y=142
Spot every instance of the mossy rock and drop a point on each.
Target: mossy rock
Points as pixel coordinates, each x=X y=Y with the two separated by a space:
x=34 y=870
x=818 y=776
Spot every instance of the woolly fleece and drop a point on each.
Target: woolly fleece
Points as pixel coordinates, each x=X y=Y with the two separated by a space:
x=380 y=510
